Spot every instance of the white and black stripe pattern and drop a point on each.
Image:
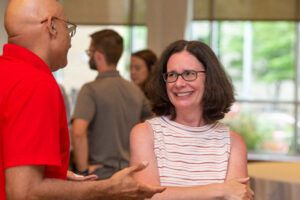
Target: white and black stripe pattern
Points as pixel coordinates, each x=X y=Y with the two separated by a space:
x=188 y=156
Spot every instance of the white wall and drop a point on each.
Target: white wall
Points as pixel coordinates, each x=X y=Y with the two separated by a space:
x=3 y=36
x=166 y=21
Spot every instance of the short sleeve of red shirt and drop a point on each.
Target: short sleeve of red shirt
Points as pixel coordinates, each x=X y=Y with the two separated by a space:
x=33 y=130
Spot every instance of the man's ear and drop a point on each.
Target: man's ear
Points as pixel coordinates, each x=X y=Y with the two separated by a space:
x=99 y=57
x=51 y=27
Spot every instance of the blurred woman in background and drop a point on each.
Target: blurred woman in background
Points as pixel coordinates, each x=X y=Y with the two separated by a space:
x=141 y=67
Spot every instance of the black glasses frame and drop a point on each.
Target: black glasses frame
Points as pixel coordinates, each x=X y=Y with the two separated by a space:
x=165 y=75
x=89 y=52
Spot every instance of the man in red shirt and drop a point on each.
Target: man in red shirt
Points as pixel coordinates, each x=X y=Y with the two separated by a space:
x=34 y=143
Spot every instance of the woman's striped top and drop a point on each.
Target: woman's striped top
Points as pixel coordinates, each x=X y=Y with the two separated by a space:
x=188 y=156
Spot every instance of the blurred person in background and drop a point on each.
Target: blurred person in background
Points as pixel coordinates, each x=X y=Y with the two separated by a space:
x=106 y=110
x=141 y=66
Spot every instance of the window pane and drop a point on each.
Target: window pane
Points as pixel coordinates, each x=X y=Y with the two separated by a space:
x=200 y=30
x=265 y=127
x=139 y=35
x=259 y=57
x=261 y=64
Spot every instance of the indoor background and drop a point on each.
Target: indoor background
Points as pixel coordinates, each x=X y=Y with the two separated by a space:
x=256 y=41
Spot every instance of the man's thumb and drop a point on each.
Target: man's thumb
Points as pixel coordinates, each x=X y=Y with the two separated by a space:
x=138 y=167
x=243 y=180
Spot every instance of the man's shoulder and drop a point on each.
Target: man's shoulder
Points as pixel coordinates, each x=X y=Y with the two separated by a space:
x=115 y=82
x=130 y=85
x=12 y=64
x=24 y=73
x=90 y=86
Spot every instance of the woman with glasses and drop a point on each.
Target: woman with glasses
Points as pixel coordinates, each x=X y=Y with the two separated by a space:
x=188 y=149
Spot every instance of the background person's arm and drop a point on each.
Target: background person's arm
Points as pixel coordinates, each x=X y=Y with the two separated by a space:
x=141 y=146
x=80 y=143
x=84 y=113
x=28 y=183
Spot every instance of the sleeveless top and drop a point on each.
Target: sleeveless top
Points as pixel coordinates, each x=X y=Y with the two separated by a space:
x=190 y=156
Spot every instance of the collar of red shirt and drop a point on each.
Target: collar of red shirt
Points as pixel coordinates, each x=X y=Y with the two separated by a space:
x=21 y=53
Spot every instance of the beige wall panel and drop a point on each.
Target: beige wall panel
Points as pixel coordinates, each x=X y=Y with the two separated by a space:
x=255 y=9
x=139 y=13
x=247 y=9
x=202 y=9
x=166 y=21
x=97 y=11
x=104 y=11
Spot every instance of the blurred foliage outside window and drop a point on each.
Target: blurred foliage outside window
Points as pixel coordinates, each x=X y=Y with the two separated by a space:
x=260 y=59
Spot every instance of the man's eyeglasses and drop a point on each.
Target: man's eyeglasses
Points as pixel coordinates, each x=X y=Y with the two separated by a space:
x=70 y=26
x=89 y=52
x=187 y=75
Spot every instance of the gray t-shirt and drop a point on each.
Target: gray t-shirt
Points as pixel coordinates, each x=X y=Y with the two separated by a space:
x=112 y=106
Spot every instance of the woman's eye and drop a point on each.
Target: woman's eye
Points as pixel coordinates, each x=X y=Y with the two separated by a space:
x=171 y=74
x=188 y=73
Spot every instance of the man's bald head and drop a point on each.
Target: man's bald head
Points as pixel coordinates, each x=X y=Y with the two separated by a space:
x=22 y=16
x=39 y=26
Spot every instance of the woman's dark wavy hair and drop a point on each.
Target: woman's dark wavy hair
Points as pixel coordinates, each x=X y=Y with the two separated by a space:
x=218 y=91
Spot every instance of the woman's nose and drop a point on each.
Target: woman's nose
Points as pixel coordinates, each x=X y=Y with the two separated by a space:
x=180 y=82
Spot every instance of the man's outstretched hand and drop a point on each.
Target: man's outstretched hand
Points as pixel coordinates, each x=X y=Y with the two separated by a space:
x=124 y=186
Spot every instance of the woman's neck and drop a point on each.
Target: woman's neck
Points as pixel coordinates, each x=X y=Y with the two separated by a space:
x=190 y=118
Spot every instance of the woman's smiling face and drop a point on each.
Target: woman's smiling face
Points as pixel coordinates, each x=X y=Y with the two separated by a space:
x=185 y=94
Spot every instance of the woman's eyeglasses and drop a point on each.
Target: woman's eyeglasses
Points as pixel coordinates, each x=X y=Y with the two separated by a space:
x=187 y=75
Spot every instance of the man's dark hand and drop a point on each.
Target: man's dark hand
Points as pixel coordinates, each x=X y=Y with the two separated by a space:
x=124 y=186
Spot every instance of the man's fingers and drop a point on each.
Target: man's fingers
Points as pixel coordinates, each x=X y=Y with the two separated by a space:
x=90 y=177
x=251 y=191
x=243 y=180
x=75 y=177
x=138 y=167
x=158 y=189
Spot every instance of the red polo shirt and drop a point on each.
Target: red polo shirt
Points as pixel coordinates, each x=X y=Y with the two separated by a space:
x=33 y=125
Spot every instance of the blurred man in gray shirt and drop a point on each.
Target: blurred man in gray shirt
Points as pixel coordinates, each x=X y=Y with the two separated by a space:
x=106 y=110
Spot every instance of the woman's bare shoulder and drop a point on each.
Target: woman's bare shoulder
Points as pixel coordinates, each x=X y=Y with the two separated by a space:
x=237 y=140
x=142 y=130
